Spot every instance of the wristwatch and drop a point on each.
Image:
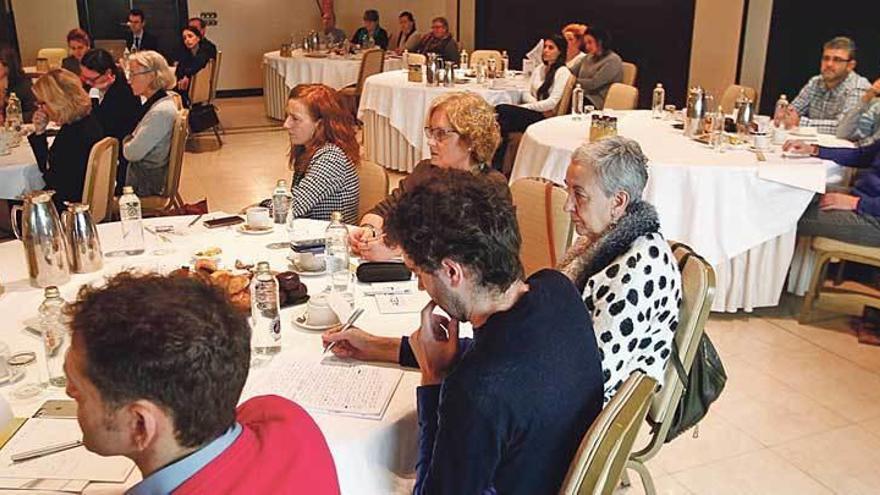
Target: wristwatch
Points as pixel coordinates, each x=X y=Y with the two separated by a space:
x=371 y=228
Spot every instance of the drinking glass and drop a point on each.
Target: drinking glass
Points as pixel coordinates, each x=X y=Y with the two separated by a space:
x=32 y=384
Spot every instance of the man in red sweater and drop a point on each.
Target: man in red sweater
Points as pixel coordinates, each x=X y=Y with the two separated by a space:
x=156 y=366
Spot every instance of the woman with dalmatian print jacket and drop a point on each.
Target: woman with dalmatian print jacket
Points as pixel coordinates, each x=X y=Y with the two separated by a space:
x=625 y=269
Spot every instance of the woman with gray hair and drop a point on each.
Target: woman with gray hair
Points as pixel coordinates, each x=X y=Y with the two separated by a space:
x=625 y=269
x=148 y=148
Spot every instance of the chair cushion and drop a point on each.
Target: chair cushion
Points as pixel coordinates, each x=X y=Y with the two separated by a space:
x=833 y=245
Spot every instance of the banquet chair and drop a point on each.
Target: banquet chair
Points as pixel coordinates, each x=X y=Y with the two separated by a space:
x=115 y=47
x=483 y=56
x=101 y=178
x=601 y=456
x=200 y=89
x=416 y=58
x=372 y=63
x=622 y=97
x=849 y=299
x=373 y=186
x=564 y=105
x=545 y=227
x=158 y=205
x=728 y=99
x=698 y=292
x=53 y=55
x=215 y=76
x=630 y=71
x=178 y=100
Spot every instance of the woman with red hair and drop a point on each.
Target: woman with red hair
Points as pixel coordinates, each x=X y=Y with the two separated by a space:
x=324 y=154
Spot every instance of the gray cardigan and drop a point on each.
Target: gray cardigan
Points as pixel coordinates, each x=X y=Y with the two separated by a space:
x=597 y=75
x=148 y=148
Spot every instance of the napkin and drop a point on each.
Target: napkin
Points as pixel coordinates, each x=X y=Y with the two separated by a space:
x=803 y=173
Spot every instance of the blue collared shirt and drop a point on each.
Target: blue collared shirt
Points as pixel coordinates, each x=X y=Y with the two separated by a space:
x=173 y=475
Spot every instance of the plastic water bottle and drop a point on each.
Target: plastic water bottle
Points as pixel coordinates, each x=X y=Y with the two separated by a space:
x=14 y=119
x=281 y=201
x=463 y=59
x=779 y=111
x=132 y=222
x=56 y=338
x=405 y=59
x=336 y=253
x=577 y=101
x=371 y=42
x=265 y=311
x=658 y=101
x=505 y=63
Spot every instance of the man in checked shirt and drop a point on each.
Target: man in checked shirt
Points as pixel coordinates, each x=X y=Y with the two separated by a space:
x=837 y=90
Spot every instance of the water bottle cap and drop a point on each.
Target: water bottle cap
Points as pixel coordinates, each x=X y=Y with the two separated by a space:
x=52 y=291
x=263 y=267
x=128 y=190
x=336 y=216
x=659 y=85
x=281 y=183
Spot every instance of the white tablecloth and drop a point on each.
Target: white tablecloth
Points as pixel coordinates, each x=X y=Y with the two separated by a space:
x=403 y=106
x=371 y=456
x=715 y=202
x=19 y=172
x=336 y=72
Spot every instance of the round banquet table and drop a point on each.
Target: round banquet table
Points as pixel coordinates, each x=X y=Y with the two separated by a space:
x=280 y=74
x=738 y=213
x=371 y=456
x=19 y=172
x=393 y=111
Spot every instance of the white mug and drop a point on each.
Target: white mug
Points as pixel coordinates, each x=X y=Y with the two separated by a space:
x=761 y=140
x=779 y=135
x=309 y=262
x=258 y=217
x=319 y=313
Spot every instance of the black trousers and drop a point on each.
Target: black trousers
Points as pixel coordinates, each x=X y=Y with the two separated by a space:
x=845 y=226
x=512 y=118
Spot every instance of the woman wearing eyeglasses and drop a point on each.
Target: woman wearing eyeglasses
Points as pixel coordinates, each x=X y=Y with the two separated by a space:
x=463 y=134
x=116 y=107
x=148 y=147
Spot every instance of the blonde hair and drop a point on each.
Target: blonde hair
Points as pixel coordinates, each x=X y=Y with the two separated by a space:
x=578 y=30
x=473 y=119
x=154 y=62
x=62 y=91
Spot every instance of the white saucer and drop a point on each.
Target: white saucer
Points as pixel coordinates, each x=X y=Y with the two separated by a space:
x=244 y=229
x=307 y=273
x=298 y=318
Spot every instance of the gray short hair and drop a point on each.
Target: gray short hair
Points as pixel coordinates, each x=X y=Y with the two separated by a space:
x=619 y=164
x=842 y=43
x=155 y=63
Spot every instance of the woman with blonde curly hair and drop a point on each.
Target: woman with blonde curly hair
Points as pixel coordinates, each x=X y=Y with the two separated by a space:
x=61 y=98
x=463 y=134
x=149 y=146
x=574 y=37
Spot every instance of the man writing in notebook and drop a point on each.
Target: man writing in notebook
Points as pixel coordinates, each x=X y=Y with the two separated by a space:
x=156 y=366
x=505 y=411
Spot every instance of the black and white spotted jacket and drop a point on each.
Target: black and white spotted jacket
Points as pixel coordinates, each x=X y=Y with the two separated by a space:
x=632 y=287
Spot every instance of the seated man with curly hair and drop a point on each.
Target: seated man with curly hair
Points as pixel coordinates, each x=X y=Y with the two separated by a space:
x=503 y=412
x=156 y=366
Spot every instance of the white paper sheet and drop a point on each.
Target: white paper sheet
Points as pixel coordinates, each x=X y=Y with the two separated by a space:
x=400 y=303
x=74 y=464
x=804 y=173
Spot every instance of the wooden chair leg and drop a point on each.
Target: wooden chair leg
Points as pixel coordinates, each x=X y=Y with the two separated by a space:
x=815 y=286
x=645 y=475
x=217 y=135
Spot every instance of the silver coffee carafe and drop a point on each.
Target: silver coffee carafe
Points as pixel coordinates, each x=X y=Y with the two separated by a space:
x=694 y=112
x=82 y=237
x=449 y=80
x=431 y=69
x=41 y=233
x=744 y=112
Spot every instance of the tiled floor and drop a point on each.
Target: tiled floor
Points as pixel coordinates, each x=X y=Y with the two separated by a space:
x=801 y=411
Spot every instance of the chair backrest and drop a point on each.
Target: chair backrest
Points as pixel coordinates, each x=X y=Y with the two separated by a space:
x=601 y=457
x=483 y=56
x=373 y=186
x=178 y=100
x=115 y=47
x=564 y=105
x=416 y=58
x=621 y=97
x=372 y=63
x=543 y=224
x=698 y=292
x=215 y=76
x=728 y=99
x=175 y=157
x=630 y=71
x=53 y=55
x=101 y=178
x=200 y=85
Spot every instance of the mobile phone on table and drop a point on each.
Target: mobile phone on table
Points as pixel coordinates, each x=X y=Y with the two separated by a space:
x=223 y=222
x=308 y=245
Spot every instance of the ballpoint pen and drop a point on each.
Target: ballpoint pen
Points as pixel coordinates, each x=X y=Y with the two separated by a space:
x=44 y=451
x=196 y=219
x=351 y=319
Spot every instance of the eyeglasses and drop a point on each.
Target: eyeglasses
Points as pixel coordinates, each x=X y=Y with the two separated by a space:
x=438 y=133
x=836 y=60
x=145 y=71
x=92 y=80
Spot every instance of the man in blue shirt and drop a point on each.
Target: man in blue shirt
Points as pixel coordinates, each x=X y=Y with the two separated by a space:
x=506 y=411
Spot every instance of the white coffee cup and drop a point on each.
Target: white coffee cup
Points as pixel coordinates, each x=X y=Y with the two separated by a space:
x=779 y=135
x=319 y=313
x=763 y=122
x=258 y=217
x=761 y=140
x=309 y=262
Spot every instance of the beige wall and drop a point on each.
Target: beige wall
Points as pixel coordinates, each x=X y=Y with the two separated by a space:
x=715 y=45
x=37 y=30
x=757 y=36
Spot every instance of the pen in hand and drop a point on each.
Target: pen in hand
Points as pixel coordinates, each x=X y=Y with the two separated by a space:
x=351 y=319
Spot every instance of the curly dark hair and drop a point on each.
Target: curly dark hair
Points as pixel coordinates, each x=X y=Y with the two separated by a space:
x=463 y=217
x=174 y=341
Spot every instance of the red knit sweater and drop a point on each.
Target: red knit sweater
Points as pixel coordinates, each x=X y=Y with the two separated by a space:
x=280 y=450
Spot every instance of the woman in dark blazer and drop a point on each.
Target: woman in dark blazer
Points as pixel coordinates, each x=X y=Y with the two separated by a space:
x=193 y=58
x=61 y=98
x=116 y=107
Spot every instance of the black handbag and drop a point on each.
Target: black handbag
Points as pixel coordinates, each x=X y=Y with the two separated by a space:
x=202 y=117
x=383 y=271
x=701 y=387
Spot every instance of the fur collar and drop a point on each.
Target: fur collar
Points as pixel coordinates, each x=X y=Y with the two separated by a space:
x=585 y=259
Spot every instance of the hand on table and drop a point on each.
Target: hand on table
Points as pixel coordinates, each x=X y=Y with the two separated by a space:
x=355 y=343
x=435 y=348
x=40 y=121
x=838 y=201
x=798 y=147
